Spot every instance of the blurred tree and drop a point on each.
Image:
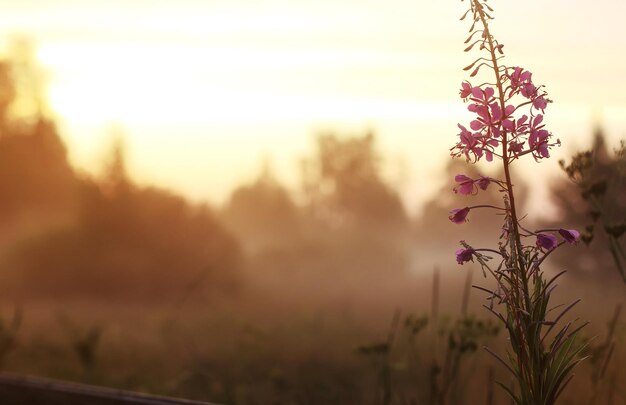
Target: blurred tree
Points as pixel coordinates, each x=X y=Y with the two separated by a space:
x=68 y=235
x=29 y=81
x=593 y=201
x=262 y=214
x=345 y=187
x=115 y=179
x=35 y=175
x=132 y=243
x=37 y=184
x=352 y=217
x=7 y=92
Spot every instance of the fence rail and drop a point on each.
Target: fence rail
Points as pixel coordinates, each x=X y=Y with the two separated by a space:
x=24 y=390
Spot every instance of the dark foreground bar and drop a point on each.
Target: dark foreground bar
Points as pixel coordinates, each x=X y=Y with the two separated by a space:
x=22 y=390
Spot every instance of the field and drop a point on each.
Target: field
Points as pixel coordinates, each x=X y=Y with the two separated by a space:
x=289 y=340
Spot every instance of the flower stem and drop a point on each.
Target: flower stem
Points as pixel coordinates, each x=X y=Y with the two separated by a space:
x=519 y=305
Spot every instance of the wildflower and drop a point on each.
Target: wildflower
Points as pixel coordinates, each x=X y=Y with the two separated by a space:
x=468 y=143
x=459 y=215
x=464 y=255
x=483 y=182
x=488 y=111
x=570 y=235
x=540 y=103
x=466 y=90
x=488 y=145
x=466 y=185
x=483 y=96
x=528 y=90
x=516 y=147
x=538 y=141
x=498 y=130
x=518 y=126
x=519 y=77
x=546 y=241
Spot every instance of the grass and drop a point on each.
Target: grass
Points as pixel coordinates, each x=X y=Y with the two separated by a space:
x=261 y=347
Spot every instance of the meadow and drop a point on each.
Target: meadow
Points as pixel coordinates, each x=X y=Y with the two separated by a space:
x=375 y=341
x=342 y=299
x=334 y=293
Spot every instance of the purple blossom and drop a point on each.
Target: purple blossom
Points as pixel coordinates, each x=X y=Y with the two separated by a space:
x=459 y=215
x=469 y=143
x=538 y=142
x=516 y=147
x=528 y=90
x=483 y=182
x=464 y=255
x=468 y=186
x=546 y=241
x=570 y=235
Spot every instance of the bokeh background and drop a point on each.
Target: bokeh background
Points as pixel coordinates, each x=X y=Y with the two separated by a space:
x=234 y=200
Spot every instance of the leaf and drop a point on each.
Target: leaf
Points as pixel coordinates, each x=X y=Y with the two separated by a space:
x=469 y=48
x=468 y=67
x=501 y=361
x=511 y=393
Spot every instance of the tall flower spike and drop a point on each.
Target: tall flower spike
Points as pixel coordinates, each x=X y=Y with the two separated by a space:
x=506 y=124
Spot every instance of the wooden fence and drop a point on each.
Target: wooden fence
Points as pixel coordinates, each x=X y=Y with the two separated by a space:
x=23 y=390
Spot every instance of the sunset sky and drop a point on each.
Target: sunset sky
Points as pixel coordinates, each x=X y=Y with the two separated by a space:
x=207 y=90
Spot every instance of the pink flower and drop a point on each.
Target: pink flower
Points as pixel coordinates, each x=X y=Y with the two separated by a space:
x=496 y=112
x=464 y=255
x=516 y=147
x=519 y=76
x=483 y=96
x=546 y=241
x=570 y=235
x=522 y=120
x=477 y=125
x=466 y=185
x=459 y=215
x=480 y=109
x=538 y=141
x=483 y=182
x=488 y=155
x=518 y=126
x=468 y=143
x=540 y=103
x=509 y=125
x=466 y=90
x=521 y=82
x=539 y=138
x=528 y=90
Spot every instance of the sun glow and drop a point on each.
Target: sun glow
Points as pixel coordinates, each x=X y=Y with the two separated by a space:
x=236 y=81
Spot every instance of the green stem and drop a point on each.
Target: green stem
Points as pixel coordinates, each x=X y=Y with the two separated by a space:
x=527 y=345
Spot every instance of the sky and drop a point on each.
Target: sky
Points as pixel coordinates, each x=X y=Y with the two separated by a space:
x=206 y=91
